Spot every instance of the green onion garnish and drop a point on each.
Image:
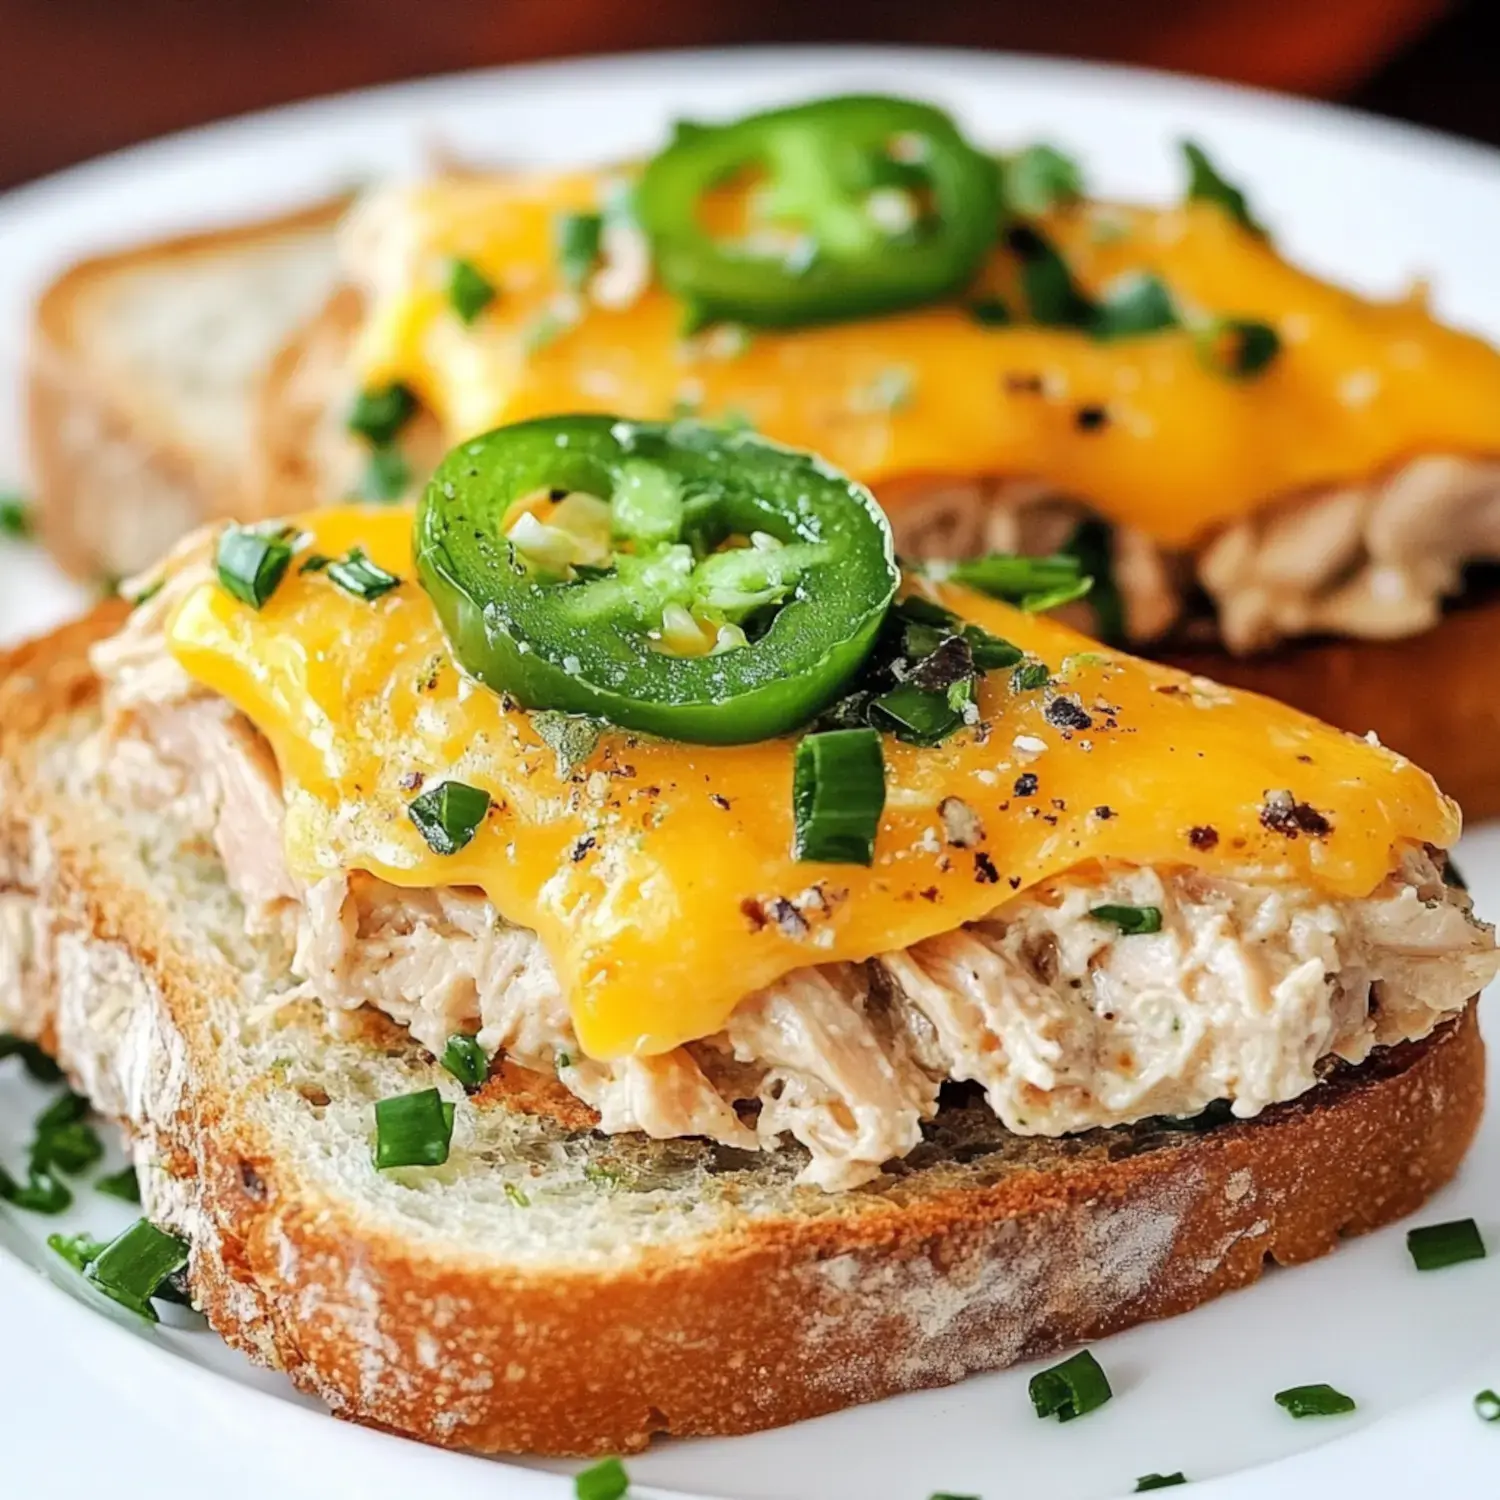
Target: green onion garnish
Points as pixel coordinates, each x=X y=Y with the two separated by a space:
x=124 y=1185
x=1027 y=581
x=516 y=1195
x=1237 y=347
x=470 y=291
x=387 y=475
x=1052 y=296
x=1055 y=598
x=1092 y=545
x=1205 y=184
x=42 y=1193
x=606 y=1481
x=1030 y=675
x=465 y=1059
x=1434 y=1246
x=917 y=715
x=413 y=1130
x=15 y=518
x=990 y=312
x=578 y=239
x=1159 y=1482
x=1132 y=306
x=36 y=1062
x=1314 y=1401
x=944 y=1495
x=1076 y=1386
x=251 y=564
x=838 y=794
x=132 y=1268
x=380 y=413
x=1487 y=1406
x=77 y=1249
x=1131 y=920
x=357 y=575
x=1040 y=177
x=449 y=815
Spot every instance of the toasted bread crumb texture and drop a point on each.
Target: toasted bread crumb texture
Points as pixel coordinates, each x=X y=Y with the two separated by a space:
x=554 y=1291
x=145 y=368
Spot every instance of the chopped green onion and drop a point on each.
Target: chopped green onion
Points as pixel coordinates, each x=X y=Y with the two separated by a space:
x=1030 y=675
x=1314 y=1401
x=517 y=1196
x=1076 y=1386
x=148 y=593
x=449 y=815
x=1237 y=347
x=1131 y=920
x=465 y=1059
x=944 y=1495
x=413 y=1130
x=990 y=312
x=919 y=716
x=1092 y=547
x=357 y=575
x=578 y=241
x=1039 y=178
x=77 y=1249
x=124 y=1185
x=1132 y=306
x=1054 y=299
x=1487 y=1406
x=132 y=1267
x=1055 y=598
x=43 y=1192
x=73 y=1147
x=314 y=562
x=1159 y=1482
x=605 y=1481
x=387 y=475
x=36 y=1062
x=838 y=795
x=1019 y=580
x=380 y=413
x=15 y=518
x=1434 y=1246
x=1205 y=185
x=470 y=291
x=251 y=564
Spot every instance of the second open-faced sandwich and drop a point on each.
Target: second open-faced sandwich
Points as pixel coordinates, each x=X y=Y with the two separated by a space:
x=634 y=783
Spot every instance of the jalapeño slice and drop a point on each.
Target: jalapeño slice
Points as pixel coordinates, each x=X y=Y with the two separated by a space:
x=666 y=577
x=852 y=206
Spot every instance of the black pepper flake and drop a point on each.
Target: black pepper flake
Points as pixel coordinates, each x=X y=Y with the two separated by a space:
x=555 y=494
x=984 y=869
x=1104 y=811
x=1026 y=784
x=930 y=894
x=791 y=921
x=1023 y=385
x=1090 y=418
x=1283 y=814
x=1203 y=837
x=719 y=800
x=582 y=847
x=1059 y=805
x=1066 y=713
x=753 y=912
x=1015 y=882
x=411 y=782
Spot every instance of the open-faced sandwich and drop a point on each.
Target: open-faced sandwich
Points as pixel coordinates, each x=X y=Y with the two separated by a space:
x=1269 y=477
x=608 y=954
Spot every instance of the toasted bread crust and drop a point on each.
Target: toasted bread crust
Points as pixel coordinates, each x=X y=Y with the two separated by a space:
x=788 y=1316
x=111 y=494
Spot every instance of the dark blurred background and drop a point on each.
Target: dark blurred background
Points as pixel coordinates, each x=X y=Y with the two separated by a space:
x=78 y=77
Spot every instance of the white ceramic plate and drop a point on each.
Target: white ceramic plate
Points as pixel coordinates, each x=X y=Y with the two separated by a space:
x=88 y=1401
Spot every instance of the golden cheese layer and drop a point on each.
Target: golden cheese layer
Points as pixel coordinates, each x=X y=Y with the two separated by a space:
x=1358 y=387
x=660 y=875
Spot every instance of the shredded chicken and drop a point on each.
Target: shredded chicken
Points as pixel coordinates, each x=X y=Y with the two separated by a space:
x=1373 y=561
x=1244 y=994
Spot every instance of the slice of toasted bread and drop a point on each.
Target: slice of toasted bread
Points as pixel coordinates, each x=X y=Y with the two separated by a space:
x=554 y=1290
x=145 y=367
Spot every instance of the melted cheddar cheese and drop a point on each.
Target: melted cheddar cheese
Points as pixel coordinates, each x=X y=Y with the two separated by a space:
x=660 y=875
x=1359 y=385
